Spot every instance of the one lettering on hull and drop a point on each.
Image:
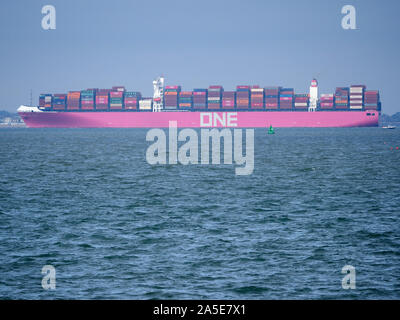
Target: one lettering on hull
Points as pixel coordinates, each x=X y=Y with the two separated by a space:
x=218 y=119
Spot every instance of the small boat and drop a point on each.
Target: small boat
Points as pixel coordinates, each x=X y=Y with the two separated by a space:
x=389 y=127
x=271 y=130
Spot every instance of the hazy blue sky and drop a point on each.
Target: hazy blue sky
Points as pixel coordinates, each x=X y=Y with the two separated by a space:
x=197 y=43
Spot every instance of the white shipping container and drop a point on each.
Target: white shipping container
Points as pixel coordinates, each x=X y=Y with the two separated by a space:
x=300 y=104
x=356 y=90
x=145 y=104
x=257 y=90
x=356 y=102
x=214 y=90
x=356 y=107
x=356 y=96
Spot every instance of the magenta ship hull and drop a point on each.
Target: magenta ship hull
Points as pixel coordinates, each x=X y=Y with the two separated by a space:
x=203 y=119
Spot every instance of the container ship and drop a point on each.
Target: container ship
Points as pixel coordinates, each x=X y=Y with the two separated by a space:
x=246 y=107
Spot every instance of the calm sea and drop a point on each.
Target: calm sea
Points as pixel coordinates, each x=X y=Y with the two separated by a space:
x=114 y=227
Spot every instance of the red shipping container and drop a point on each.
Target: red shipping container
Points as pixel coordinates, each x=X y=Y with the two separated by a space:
x=88 y=107
x=214 y=106
x=101 y=106
x=116 y=94
x=257 y=105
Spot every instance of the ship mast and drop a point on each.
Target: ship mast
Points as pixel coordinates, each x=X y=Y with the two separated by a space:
x=158 y=94
x=313 y=96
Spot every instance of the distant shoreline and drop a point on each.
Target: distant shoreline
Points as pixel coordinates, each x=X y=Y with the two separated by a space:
x=13 y=125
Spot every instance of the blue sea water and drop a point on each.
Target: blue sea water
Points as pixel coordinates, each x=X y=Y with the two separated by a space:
x=114 y=227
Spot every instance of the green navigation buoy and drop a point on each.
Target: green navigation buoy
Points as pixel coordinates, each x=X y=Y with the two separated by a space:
x=271 y=130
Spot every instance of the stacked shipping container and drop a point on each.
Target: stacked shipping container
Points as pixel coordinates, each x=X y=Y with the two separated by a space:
x=146 y=104
x=185 y=100
x=242 y=97
x=87 y=99
x=371 y=100
x=214 y=97
x=257 y=98
x=356 y=97
x=131 y=100
x=301 y=101
x=60 y=101
x=342 y=98
x=116 y=100
x=271 y=98
x=327 y=101
x=41 y=100
x=228 y=100
x=73 y=100
x=199 y=99
x=286 y=99
x=48 y=101
x=102 y=99
x=171 y=97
